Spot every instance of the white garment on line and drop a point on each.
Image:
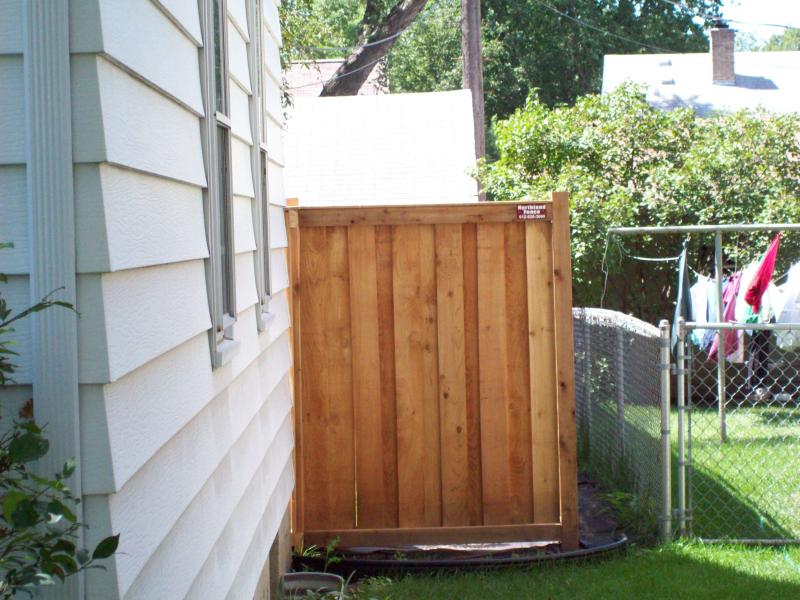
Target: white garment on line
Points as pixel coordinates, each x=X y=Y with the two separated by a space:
x=790 y=311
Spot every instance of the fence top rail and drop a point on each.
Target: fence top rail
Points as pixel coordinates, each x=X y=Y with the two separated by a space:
x=423 y=214
x=745 y=326
x=612 y=318
x=734 y=227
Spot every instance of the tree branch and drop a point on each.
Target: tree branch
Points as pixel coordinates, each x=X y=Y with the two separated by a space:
x=349 y=77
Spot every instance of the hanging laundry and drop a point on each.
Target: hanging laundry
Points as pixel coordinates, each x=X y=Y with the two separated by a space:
x=683 y=305
x=758 y=361
x=771 y=299
x=790 y=313
x=731 y=338
x=703 y=294
x=763 y=276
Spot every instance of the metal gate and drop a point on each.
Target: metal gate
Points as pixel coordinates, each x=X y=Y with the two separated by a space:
x=739 y=433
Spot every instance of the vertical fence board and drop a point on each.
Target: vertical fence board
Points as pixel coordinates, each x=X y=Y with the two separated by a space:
x=541 y=331
x=419 y=488
x=327 y=403
x=383 y=252
x=368 y=419
x=493 y=358
x=469 y=243
x=297 y=506
x=565 y=370
x=452 y=374
x=519 y=404
x=430 y=390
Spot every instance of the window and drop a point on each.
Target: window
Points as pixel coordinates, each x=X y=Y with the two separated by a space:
x=219 y=197
x=260 y=157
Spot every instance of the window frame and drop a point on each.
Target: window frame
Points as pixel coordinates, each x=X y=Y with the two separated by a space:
x=259 y=161
x=218 y=196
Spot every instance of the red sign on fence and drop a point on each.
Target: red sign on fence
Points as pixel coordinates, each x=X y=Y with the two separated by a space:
x=531 y=212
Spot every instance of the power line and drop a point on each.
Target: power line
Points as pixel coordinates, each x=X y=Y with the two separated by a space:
x=335 y=77
x=710 y=17
x=583 y=23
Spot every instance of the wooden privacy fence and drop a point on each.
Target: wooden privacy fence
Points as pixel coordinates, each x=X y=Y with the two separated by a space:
x=434 y=373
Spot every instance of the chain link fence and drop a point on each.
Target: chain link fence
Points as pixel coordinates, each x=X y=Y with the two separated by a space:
x=743 y=435
x=732 y=432
x=618 y=398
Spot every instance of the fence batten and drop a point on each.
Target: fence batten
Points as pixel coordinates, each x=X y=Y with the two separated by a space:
x=433 y=374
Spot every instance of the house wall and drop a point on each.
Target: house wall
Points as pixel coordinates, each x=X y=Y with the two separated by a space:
x=191 y=465
x=14 y=262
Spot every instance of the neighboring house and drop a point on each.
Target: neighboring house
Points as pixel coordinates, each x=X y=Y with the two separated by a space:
x=386 y=149
x=140 y=170
x=722 y=80
x=306 y=77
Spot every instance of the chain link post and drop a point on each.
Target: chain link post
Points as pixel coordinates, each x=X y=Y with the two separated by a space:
x=680 y=368
x=666 y=442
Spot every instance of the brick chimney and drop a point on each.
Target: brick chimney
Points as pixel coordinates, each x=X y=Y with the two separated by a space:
x=722 y=41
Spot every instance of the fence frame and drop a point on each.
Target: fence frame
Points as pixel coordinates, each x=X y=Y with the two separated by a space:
x=686 y=499
x=556 y=216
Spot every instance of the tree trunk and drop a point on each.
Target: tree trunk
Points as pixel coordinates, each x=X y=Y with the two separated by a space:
x=349 y=78
x=473 y=68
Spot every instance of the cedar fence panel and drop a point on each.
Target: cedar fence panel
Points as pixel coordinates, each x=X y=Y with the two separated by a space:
x=434 y=392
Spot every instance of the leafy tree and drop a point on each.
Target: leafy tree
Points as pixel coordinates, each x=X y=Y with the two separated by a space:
x=38 y=524
x=627 y=164
x=788 y=40
x=427 y=58
x=529 y=45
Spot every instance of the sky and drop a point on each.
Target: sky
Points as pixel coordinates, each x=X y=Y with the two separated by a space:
x=785 y=12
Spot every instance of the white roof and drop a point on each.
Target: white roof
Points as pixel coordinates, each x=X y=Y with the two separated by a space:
x=385 y=149
x=306 y=77
x=767 y=79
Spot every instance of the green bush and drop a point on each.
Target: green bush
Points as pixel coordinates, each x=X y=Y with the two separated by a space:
x=626 y=163
x=38 y=525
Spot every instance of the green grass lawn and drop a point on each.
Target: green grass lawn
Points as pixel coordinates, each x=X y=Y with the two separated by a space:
x=748 y=487
x=745 y=488
x=679 y=570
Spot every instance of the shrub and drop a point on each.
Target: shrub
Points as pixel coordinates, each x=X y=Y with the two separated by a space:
x=38 y=525
x=626 y=163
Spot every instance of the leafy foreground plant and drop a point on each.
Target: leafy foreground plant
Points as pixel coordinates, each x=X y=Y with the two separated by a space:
x=38 y=525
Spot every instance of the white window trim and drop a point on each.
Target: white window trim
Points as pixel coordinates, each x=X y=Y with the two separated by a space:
x=255 y=55
x=221 y=337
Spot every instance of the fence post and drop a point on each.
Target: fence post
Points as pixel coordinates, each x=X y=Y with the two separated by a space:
x=587 y=375
x=680 y=368
x=666 y=442
x=620 y=388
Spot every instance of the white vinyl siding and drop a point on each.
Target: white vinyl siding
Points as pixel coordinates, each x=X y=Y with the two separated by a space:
x=191 y=464
x=12 y=110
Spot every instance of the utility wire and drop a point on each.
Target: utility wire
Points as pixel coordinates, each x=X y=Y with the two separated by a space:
x=711 y=17
x=588 y=25
x=335 y=77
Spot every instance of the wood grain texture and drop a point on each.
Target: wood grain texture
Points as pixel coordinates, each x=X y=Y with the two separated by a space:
x=419 y=483
x=492 y=362
x=298 y=504
x=439 y=340
x=565 y=369
x=469 y=244
x=414 y=214
x=385 y=326
x=541 y=332
x=438 y=535
x=519 y=407
x=368 y=416
x=327 y=380
x=452 y=374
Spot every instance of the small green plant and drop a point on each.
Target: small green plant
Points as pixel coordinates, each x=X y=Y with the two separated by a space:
x=38 y=523
x=331 y=557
